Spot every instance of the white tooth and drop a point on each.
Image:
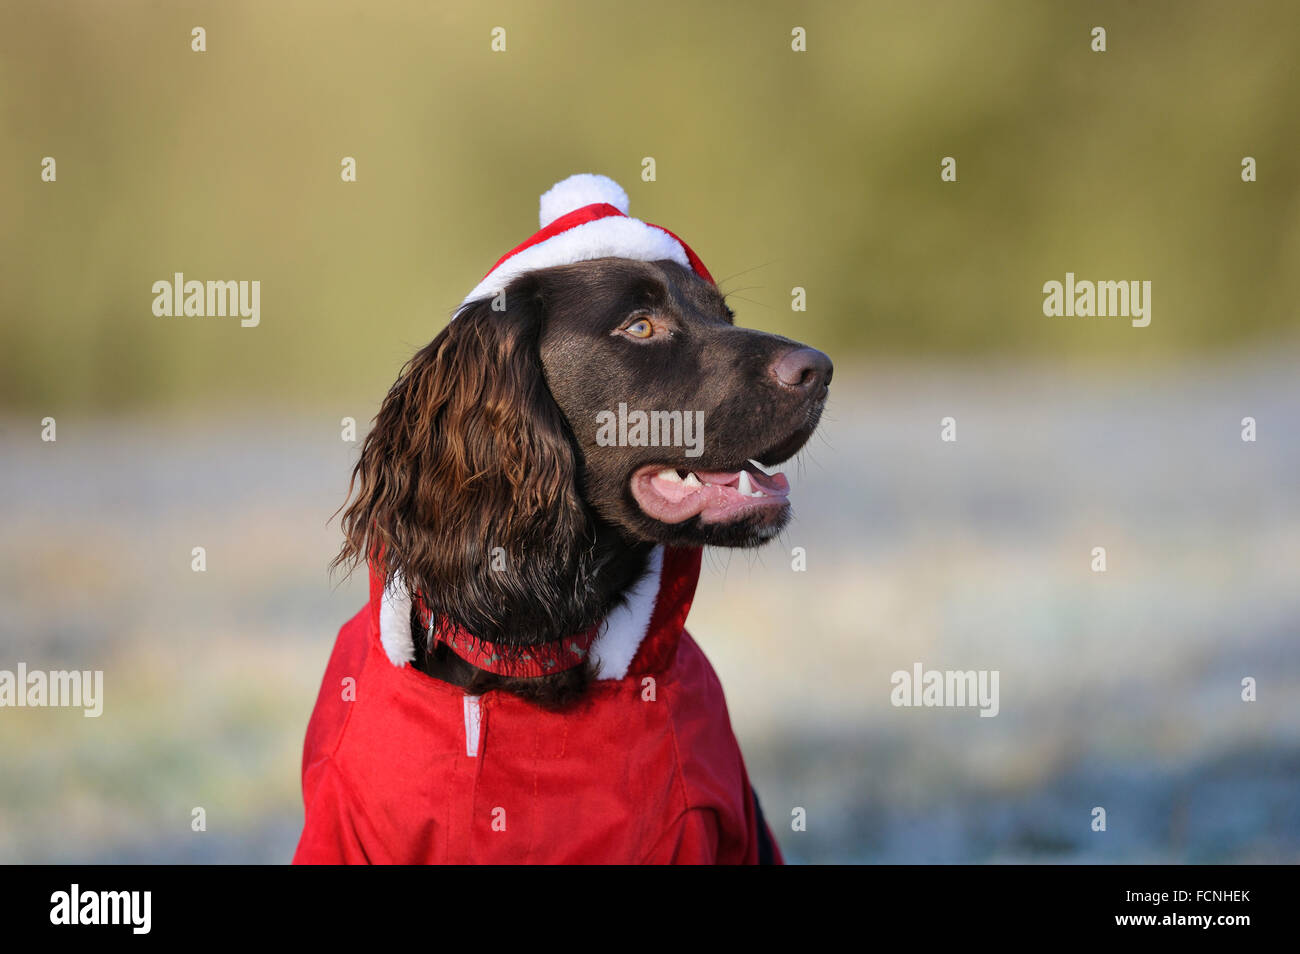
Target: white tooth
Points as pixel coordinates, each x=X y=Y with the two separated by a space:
x=760 y=467
x=669 y=475
x=746 y=488
x=692 y=481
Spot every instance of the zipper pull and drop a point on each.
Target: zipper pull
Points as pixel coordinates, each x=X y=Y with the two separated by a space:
x=473 y=723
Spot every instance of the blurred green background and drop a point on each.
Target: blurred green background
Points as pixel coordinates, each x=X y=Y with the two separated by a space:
x=781 y=169
x=817 y=169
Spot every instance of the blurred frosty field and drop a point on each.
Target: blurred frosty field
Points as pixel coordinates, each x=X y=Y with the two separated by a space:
x=1119 y=690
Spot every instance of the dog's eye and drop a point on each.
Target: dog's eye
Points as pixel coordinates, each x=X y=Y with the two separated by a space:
x=641 y=328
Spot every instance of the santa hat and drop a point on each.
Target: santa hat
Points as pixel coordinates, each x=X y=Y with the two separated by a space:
x=585 y=217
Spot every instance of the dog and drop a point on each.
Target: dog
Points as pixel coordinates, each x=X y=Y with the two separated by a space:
x=531 y=503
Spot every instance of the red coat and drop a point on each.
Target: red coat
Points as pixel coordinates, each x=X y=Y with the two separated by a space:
x=399 y=767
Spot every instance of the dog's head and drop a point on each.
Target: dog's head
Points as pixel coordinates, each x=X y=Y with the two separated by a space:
x=669 y=403
x=591 y=411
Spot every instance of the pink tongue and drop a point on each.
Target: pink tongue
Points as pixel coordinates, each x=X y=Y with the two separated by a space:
x=768 y=483
x=716 y=499
x=723 y=483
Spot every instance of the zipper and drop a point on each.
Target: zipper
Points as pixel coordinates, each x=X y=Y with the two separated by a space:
x=473 y=725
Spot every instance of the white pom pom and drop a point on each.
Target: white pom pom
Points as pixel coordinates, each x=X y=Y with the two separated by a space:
x=577 y=191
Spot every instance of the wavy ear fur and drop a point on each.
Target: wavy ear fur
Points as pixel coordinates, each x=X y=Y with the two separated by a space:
x=467 y=483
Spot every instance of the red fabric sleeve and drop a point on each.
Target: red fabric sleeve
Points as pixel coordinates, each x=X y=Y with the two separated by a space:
x=330 y=835
x=692 y=839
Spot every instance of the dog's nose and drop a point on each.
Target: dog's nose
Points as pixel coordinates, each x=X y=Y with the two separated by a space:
x=803 y=369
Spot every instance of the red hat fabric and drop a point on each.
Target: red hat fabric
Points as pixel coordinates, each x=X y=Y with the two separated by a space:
x=582 y=218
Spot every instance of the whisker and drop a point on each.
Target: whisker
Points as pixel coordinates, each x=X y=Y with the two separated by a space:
x=745 y=271
x=760 y=304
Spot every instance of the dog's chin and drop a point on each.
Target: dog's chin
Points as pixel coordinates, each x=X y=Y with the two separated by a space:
x=746 y=532
x=740 y=507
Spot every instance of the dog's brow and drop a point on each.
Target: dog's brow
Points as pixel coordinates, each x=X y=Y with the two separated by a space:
x=648 y=291
x=703 y=298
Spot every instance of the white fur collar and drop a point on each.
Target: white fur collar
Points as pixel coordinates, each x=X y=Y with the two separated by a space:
x=620 y=637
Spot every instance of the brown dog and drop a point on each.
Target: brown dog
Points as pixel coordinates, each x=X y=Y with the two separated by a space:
x=532 y=503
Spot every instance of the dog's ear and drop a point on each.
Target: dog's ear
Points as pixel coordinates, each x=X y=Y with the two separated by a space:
x=466 y=485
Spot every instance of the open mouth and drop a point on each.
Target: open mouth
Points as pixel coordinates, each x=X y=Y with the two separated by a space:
x=674 y=494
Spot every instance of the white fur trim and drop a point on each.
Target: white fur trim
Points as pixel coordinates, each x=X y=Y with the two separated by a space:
x=614 y=236
x=574 y=192
x=626 y=627
x=620 y=637
x=395 y=624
